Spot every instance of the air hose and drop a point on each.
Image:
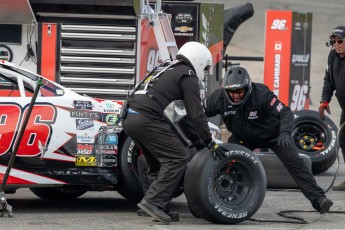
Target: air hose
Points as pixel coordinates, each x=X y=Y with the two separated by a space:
x=299 y=220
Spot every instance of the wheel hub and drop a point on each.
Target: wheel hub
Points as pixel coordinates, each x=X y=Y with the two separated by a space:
x=307 y=142
x=225 y=183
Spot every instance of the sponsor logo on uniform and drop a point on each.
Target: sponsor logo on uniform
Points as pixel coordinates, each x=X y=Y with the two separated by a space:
x=229 y=112
x=85 y=161
x=84 y=124
x=253 y=115
x=111 y=139
x=84 y=149
x=279 y=107
x=83 y=105
x=85 y=138
x=85 y=114
x=273 y=101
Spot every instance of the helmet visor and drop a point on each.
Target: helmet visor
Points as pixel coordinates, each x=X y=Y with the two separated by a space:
x=236 y=96
x=237 y=91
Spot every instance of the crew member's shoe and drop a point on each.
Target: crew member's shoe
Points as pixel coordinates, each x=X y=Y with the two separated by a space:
x=155 y=212
x=323 y=204
x=339 y=187
x=173 y=215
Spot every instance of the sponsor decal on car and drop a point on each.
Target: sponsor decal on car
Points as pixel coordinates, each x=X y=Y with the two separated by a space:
x=83 y=105
x=108 y=160
x=85 y=114
x=84 y=124
x=111 y=139
x=84 y=149
x=111 y=119
x=110 y=107
x=81 y=160
x=85 y=138
x=106 y=149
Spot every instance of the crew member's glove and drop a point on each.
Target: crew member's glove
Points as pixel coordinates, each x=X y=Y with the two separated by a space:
x=217 y=151
x=284 y=140
x=199 y=145
x=324 y=106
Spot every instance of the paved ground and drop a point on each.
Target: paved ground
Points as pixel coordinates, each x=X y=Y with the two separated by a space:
x=108 y=210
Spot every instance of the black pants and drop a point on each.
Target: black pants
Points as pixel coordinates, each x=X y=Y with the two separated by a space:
x=342 y=134
x=294 y=164
x=146 y=181
x=166 y=155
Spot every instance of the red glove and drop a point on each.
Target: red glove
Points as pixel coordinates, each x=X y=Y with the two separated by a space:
x=324 y=106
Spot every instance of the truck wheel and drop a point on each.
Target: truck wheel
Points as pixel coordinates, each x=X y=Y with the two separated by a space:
x=315 y=138
x=129 y=184
x=58 y=193
x=225 y=191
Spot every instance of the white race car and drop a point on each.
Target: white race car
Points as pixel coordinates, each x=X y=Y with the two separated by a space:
x=71 y=144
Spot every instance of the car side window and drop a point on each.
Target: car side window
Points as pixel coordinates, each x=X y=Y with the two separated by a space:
x=8 y=88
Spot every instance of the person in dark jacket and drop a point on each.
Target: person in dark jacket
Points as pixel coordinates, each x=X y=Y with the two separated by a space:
x=256 y=118
x=165 y=152
x=334 y=80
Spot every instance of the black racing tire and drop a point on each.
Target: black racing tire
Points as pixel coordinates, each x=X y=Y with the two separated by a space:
x=315 y=138
x=225 y=191
x=129 y=184
x=58 y=193
x=193 y=210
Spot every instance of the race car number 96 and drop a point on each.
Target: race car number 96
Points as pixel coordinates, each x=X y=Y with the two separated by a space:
x=37 y=129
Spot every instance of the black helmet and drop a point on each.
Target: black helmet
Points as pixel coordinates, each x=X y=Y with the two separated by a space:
x=237 y=78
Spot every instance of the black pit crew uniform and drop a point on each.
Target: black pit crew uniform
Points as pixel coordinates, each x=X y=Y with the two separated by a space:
x=334 y=80
x=257 y=123
x=165 y=152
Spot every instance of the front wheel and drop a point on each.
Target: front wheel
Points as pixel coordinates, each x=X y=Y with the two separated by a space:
x=129 y=183
x=225 y=191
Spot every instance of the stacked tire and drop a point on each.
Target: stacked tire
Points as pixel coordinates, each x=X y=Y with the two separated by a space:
x=315 y=138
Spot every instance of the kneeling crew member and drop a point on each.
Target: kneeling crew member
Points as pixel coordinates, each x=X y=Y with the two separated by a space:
x=257 y=119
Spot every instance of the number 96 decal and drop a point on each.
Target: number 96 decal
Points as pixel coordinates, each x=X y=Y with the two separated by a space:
x=38 y=127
